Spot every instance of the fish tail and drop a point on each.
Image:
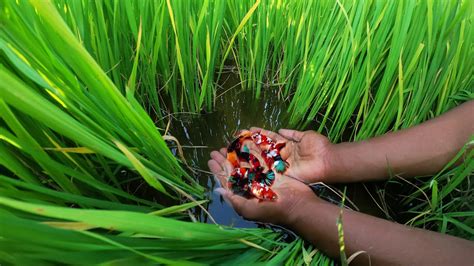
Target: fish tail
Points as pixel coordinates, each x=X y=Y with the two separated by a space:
x=233 y=158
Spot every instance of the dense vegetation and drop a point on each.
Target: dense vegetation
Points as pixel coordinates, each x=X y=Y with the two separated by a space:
x=82 y=83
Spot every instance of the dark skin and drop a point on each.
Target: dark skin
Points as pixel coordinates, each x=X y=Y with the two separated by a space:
x=421 y=150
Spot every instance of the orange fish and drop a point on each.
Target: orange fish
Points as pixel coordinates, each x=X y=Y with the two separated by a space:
x=249 y=177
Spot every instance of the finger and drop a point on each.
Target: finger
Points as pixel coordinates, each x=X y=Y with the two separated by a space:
x=268 y=133
x=256 y=129
x=219 y=173
x=221 y=159
x=222 y=191
x=239 y=203
x=218 y=157
x=223 y=151
x=290 y=134
x=215 y=167
x=226 y=194
x=250 y=209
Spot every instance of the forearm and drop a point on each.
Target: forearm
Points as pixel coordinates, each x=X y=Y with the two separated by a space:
x=385 y=242
x=421 y=150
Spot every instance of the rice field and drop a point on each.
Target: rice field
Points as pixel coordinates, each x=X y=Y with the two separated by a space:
x=87 y=89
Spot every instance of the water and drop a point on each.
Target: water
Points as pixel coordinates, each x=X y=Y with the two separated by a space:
x=199 y=134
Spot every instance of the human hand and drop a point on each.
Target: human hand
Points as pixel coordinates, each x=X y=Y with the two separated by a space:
x=292 y=195
x=307 y=152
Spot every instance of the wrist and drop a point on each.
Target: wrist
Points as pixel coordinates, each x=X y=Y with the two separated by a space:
x=335 y=163
x=299 y=209
x=327 y=163
x=344 y=161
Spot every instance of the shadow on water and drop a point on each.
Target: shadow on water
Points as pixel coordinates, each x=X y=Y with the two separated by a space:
x=199 y=134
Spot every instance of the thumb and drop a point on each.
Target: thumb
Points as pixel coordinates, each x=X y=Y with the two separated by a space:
x=237 y=202
x=224 y=193
x=290 y=134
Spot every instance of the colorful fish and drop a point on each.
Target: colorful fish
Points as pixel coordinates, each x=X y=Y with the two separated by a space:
x=253 y=181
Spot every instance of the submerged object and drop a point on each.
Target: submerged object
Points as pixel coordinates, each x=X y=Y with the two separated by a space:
x=253 y=180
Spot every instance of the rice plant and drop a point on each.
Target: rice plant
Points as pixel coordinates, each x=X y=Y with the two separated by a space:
x=448 y=208
x=67 y=131
x=84 y=86
x=373 y=66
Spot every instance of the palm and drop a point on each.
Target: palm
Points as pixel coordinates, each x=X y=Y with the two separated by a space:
x=305 y=151
x=306 y=156
x=290 y=194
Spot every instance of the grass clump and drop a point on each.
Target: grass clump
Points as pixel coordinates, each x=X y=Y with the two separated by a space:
x=373 y=66
x=444 y=203
x=67 y=132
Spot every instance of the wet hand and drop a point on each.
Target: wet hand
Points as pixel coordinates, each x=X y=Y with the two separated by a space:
x=292 y=195
x=307 y=152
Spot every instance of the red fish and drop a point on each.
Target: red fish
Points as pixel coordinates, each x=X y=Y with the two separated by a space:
x=262 y=191
x=253 y=181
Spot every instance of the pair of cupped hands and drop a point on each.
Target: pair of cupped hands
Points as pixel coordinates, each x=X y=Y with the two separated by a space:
x=307 y=154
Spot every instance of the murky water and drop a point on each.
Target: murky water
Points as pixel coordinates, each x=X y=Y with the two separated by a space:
x=200 y=134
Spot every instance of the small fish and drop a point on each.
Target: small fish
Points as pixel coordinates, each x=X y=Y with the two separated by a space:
x=233 y=150
x=262 y=191
x=253 y=181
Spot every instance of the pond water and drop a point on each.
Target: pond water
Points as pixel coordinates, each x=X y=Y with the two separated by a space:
x=199 y=134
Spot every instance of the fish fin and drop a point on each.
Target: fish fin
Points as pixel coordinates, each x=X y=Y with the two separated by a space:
x=233 y=159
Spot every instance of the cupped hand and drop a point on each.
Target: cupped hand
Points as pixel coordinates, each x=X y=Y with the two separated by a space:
x=307 y=152
x=292 y=195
